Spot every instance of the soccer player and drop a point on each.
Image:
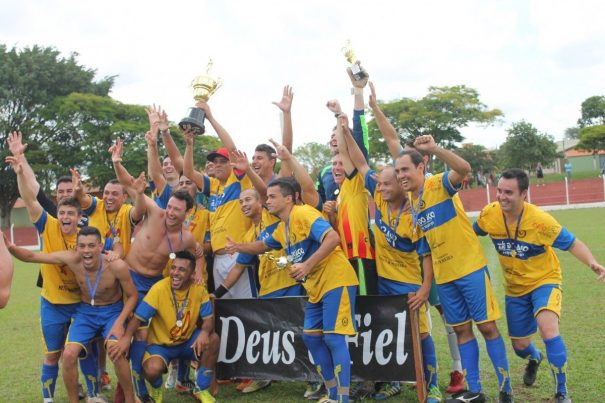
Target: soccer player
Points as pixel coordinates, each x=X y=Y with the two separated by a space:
x=391 y=139
x=459 y=266
x=397 y=263
x=175 y=304
x=101 y=310
x=161 y=235
x=313 y=249
x=6 y=273
x=223 y=191
x=60 y=297
x=524 y=236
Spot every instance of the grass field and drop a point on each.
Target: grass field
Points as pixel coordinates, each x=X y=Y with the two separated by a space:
x=582 y=328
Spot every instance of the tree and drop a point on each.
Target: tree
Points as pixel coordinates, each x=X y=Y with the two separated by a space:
x=442 y=113
x=525 y=147
x=314 y=155
x=480 y=158
x=30 y=79
x=593 y=111
x=572 y=133
x=592 y=139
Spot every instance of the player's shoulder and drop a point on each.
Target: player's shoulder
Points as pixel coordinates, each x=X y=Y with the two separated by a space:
x=490 y=210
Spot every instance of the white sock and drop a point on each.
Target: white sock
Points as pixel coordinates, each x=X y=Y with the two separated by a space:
x=452 y=341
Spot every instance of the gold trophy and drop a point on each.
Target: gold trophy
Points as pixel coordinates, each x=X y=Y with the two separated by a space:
x=203 y=88
x=358 y=72
x=282 y=263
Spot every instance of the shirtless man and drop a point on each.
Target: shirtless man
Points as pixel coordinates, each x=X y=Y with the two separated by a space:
x=101 y=309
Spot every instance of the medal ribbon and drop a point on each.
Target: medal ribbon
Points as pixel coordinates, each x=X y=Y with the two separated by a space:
x=179 y=311
x=168 y=240
x=416 y=213
x=398 y=216
x=93 y=290
x=514 y=251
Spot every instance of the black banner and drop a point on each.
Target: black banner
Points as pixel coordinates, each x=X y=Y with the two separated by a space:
x=261 y=339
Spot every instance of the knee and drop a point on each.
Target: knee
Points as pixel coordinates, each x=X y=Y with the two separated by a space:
x=464 y=332
x=153 y=368
x=520 y=344
x=70 y=356
x=549 y=329
x=489 y=330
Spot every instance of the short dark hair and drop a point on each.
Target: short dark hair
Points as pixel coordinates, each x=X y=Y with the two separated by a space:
x=185 y=254
x=266 y=148
x=285 y=187
x=518 y=174
x=182 y=194
x=88 y=230
x=115 y=181
x=415 y=156
x=294 y=183
x=63 y=179
x=71 y=202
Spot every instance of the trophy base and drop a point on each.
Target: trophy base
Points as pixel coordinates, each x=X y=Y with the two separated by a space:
x=194 y=122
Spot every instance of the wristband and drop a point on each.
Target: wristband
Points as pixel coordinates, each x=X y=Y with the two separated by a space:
x=220 y=291
x=337 y=114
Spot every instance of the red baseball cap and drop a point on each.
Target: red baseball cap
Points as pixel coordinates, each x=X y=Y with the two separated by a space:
x=221 y=152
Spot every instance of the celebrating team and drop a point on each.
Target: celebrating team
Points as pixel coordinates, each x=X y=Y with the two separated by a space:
x=141 y=277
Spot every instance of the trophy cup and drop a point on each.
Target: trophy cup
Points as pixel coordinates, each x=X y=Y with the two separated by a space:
x=281 y=263
x=203 y=87
x=358 y=72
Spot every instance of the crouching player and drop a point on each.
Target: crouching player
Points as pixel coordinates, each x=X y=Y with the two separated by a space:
x=175 y=303
x=101 y=310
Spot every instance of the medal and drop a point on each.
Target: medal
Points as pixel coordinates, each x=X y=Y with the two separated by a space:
x=179 y=323
x=513 y=251
x=179 y=310
x=116 y=239
x=93 y=290
x=172 y=256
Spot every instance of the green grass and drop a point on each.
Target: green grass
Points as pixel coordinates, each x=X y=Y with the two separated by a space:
x=548 y=178
x=582 y=329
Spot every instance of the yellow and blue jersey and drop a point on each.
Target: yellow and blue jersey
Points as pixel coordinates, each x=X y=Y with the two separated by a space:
x=450 y=238
x=352 y=218
x=160 y=196
x=271 y=279
x=111 y=225
x=60 y=285
x=300 y=239
x=159 y=305
x=534 y=262
x=227 y=217
x=396 y=257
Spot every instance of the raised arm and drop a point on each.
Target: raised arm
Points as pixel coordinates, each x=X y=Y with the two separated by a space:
x=173 y=151
x=460 y=167
x=34 y=209
x=188 y=168
x=26 y=255
x=285 y=105
x=384 y=125
x=222 y=134
x=309 y=193
x=17 y=148
x=154 y=169
x=342 y=124
x=355 y=154
x=239 y=161
x=84 y=199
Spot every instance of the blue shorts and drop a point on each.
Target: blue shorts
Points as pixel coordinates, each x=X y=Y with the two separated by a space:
x=334 y=313
x=469 y=298
x=392 y=287
x=521 y=311
x=92 y=321
x=54 y=321
x=181 y=351
x=296 y=290
x=143 y=284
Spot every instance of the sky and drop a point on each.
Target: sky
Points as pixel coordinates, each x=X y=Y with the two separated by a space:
x=534 y=60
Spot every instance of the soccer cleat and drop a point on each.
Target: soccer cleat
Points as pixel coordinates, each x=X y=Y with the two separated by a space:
x=245 y=382
x=506 y=397
x=387 y=390
x=105 y=381
x=358 y=392
x=315 y=390
x=96 y=399
x=145 y=399
x=81 y=393
x=531 y=371
x=456 y=382
x=467 y=397
x=434 y=395
x=326 y=399
x=171 y=378
x=157 y=394
x=256 y=385
x=203 y=396
x=562 y=398
x=184 y=386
